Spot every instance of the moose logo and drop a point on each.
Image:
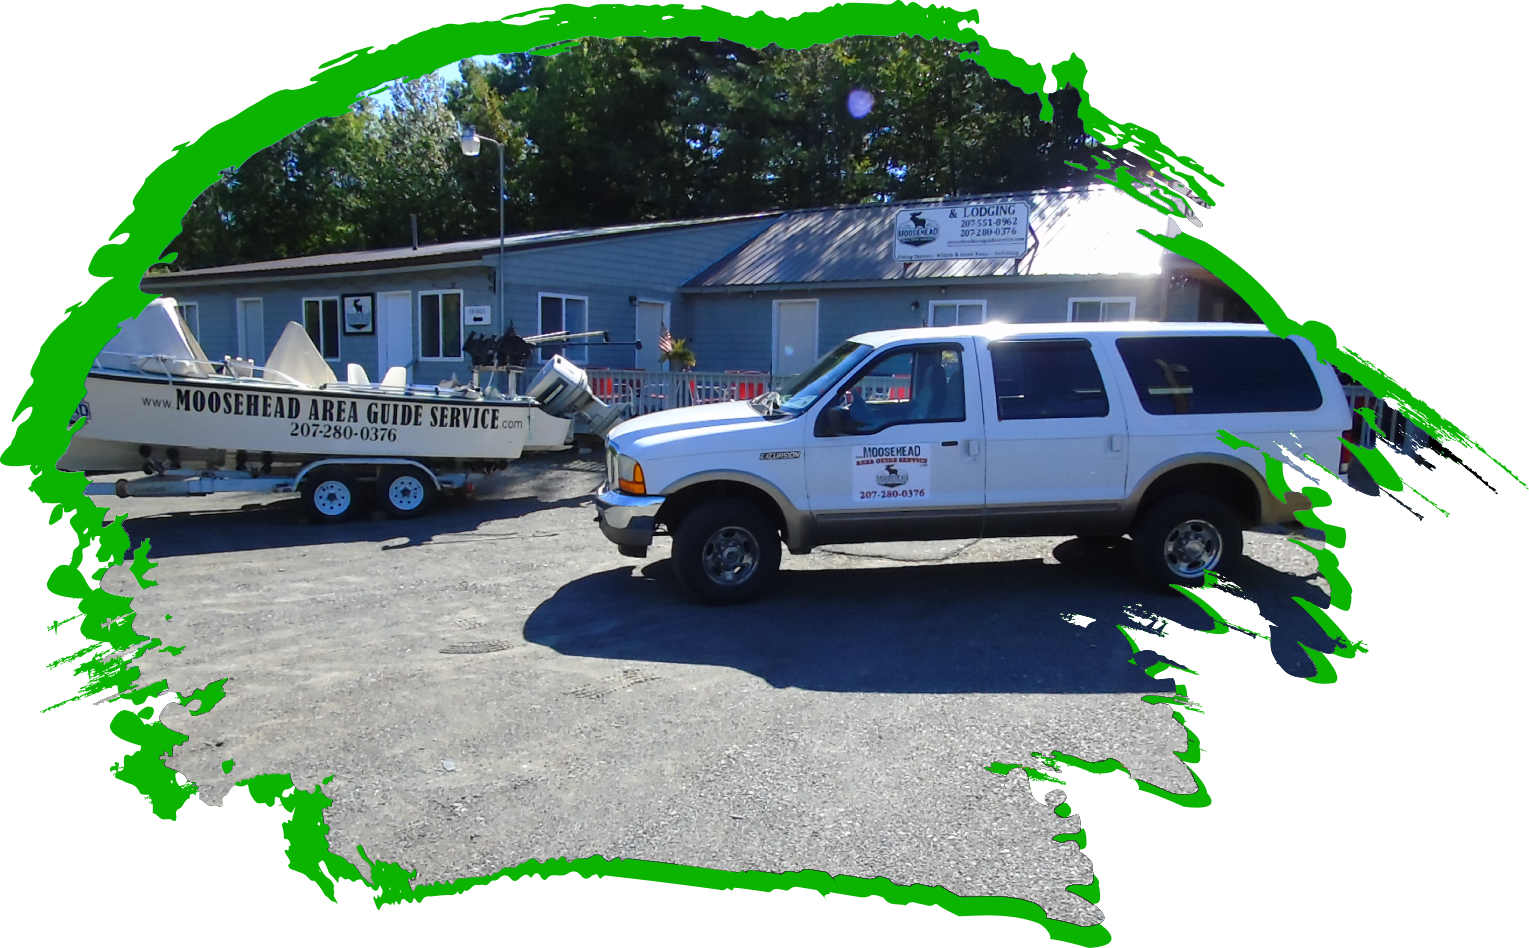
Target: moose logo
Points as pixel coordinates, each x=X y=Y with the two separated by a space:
x=892 y=477
x=915 y=230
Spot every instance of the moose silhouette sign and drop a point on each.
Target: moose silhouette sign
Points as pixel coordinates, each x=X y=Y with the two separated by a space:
x=969 y=231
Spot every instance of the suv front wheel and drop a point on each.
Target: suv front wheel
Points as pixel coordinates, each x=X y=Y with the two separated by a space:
x=726 y=551
x=1180 y=538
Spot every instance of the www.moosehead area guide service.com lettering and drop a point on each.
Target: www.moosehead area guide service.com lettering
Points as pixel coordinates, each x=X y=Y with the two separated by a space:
x=341 y=410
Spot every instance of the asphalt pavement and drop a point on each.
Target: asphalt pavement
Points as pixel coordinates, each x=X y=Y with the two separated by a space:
x=493 y=683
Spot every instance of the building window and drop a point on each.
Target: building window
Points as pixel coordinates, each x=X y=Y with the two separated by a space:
x=1101 y=309
x=188 y=313
x=321 y=317
x=564 y=314
x=440 y=325
x=958 y=313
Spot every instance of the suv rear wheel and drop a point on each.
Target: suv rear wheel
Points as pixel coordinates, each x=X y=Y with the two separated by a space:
x=726 y=551
x=1182 y=537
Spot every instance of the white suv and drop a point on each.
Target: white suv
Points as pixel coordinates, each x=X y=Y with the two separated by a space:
x=982 y=431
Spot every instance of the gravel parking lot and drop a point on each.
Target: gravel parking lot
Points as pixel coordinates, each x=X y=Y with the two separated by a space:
x=493 y=683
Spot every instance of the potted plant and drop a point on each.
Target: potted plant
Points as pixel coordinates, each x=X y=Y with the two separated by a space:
x=679 y=358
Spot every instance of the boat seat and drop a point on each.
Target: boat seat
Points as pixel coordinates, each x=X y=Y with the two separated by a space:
x=396 y=377
x=356 y=375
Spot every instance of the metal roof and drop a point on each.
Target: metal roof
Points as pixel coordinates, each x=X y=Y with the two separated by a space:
x=1088 y=231
x=462 y=250
x=998 y=330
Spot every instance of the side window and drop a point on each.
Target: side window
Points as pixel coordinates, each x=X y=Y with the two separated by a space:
x=909 y=386
x=1047 y=378
x=1202 y=375
x=321 y=318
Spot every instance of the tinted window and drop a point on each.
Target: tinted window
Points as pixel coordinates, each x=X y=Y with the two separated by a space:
x=919 y=385
x=1047 y=379
x=1201 y=375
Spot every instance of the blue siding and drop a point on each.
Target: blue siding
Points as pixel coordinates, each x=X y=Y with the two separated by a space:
x=735 y=330
x=608 y=272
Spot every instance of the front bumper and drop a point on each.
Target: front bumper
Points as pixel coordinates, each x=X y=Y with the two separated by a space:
x=626 y=520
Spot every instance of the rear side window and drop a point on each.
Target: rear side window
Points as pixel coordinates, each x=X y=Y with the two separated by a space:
x=1204 y=375
x=1047 y=378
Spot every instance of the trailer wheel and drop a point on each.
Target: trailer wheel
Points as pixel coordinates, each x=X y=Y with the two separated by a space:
x=405 y=492
x=330 y=496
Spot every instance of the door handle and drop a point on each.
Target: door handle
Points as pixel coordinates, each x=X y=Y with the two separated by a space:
x=1117 y=442
x=973 y=447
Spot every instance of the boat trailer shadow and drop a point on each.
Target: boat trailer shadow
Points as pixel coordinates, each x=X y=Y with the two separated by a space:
x=284 y=524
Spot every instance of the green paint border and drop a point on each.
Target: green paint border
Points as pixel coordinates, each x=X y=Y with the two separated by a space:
x=108 y=621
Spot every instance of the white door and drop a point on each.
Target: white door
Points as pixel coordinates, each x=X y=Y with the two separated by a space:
x=395 y=332
x=796 y=336
x=251 y=329
x=904 y=458
x=1055 y=434
x=651 y=320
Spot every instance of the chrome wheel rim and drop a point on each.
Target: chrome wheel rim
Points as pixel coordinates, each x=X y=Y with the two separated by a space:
x=406 y=492
x=730 y=556
x=332 y=498
x=1192 y=547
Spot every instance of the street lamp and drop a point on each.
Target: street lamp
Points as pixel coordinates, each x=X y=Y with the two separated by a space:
x=470 y=145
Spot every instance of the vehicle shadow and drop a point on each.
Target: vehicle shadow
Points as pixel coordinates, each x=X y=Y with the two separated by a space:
x=284 y=524
x=992 y=627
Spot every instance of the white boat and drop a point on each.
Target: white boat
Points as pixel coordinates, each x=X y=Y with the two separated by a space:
x=155 y=402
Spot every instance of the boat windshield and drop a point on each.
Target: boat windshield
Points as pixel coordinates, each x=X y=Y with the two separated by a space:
x=797 y=395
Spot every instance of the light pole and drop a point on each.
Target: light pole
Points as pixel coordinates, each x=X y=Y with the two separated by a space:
x=470 y=142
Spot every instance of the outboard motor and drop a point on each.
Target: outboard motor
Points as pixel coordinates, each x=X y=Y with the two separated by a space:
x=563 y=389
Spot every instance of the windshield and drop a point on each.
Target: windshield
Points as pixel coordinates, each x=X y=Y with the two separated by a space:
x=797 y=395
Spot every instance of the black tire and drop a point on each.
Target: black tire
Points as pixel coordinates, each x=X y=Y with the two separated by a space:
x=1180 y=538
x=405 y=492
x=330 y=495
x=726 y=552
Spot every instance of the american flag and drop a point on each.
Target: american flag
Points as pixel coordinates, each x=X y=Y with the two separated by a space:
x=665 y=341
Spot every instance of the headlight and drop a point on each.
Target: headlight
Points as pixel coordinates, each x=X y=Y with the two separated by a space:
x=629 y=476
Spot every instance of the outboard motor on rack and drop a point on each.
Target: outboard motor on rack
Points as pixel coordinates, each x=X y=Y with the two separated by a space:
x=563 y=389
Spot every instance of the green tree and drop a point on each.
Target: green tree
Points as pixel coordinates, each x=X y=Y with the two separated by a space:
x=302 y=195
x=418 y=170
x=626 y=130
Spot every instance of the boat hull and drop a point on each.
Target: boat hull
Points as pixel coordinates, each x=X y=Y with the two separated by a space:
x=203 y=419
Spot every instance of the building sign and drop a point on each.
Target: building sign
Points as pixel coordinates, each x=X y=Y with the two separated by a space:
x=477 y=315
x=358 y=314
x=963 y=231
